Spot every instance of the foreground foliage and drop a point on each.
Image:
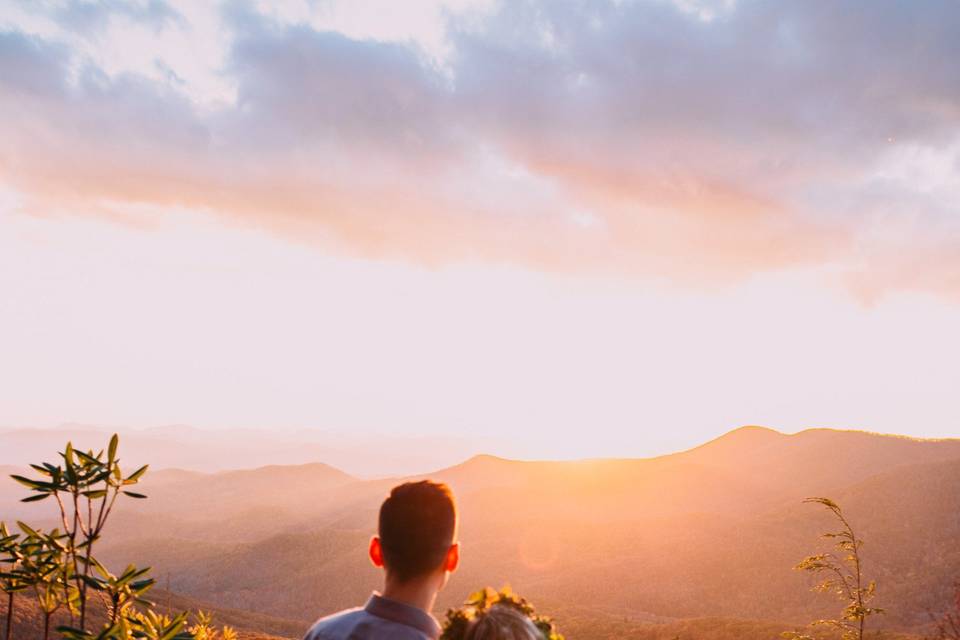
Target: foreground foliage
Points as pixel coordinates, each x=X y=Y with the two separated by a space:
x=947 y=624
x=844 y=577
x=58 y=566
x=458 y=620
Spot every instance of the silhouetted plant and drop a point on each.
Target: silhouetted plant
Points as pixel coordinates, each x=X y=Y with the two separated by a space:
x=204 y=629
x=948 y=623
x=137 y=625
x=844 y=578
x=45 y=570
x=480 y=602
x=11 y=581
x=121 y=591
x=59 y=565
x=85 y=487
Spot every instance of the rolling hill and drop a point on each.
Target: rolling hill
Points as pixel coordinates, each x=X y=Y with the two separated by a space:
x=185 y=447
x=709 y=533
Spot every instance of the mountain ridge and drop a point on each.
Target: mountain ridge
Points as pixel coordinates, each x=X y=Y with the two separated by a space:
x=710 y=531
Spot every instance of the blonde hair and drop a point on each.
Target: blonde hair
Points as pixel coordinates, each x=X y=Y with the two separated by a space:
x=503 y=623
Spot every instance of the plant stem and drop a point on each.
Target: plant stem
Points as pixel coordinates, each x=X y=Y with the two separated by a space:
x=81 y=585
x=72 y=547
x=856 y=561
x=9 y=614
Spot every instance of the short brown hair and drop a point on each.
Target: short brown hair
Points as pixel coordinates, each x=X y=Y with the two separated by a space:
x=418 y=522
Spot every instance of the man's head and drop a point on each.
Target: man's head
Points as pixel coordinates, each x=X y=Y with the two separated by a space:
x=418 y=528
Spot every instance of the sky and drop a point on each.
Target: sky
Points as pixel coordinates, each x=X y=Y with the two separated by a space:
x=564 y=229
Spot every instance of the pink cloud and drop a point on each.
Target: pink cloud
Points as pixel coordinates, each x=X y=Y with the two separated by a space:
x=634 y=140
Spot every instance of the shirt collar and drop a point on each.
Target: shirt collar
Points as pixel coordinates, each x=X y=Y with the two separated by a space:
x=404 y=614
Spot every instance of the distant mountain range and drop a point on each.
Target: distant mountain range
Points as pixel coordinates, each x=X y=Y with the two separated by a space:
x=185 y=447
x=615 y=544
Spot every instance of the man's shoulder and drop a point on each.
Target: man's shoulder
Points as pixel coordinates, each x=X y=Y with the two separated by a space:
x=334 y=626
x=358 y=624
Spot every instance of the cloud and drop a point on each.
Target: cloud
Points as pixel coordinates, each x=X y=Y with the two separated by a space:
x=694 y=141
x=90 y=17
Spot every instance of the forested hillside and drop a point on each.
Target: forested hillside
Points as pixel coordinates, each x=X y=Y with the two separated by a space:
x=699 y=544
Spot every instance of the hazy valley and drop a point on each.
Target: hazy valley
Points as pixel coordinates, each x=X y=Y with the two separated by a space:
x=608 y=547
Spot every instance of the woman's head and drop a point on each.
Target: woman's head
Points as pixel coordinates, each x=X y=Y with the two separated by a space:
x=497 y=615
x=503 y=622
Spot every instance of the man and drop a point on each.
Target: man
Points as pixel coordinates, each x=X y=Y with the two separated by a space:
x=417 y=548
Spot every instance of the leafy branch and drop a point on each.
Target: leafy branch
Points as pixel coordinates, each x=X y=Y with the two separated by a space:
x=59 y=566
x=844 y=577
x=85 y=486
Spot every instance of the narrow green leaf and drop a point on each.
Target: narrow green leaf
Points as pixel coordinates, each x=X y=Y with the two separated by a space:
x=27 y=482
x=88 y=458
x=133 y=477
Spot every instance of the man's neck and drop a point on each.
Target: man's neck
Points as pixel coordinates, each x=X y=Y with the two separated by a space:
x=416 y=593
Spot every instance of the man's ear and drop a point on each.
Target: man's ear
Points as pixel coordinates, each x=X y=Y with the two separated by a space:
x=452 y=561
x=376 y=552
